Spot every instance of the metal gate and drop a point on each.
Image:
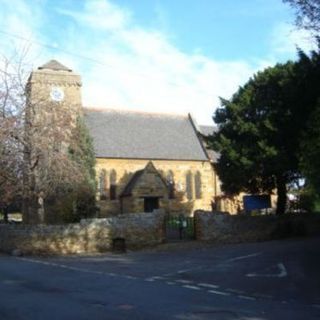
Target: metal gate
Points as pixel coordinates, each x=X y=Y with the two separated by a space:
x=180 y=228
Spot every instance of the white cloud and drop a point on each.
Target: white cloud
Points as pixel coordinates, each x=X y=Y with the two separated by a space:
x=100 y=15
x=133 y=68
x=142 y=70
x=285 y=39
x=20 y=38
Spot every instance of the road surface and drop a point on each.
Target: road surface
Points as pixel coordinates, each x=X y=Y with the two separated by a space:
x=257 y=281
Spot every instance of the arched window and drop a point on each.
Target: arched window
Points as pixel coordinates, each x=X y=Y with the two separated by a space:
x=189 y=185
x=170 y=184
x=197 y=185
x=103 y=184
x=113 y=186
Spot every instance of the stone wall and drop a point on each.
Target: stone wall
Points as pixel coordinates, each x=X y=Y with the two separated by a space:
x=220 y=227
x=94 y=235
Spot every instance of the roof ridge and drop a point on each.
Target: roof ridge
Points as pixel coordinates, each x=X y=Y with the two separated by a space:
x=155 y=113
x=54 y=65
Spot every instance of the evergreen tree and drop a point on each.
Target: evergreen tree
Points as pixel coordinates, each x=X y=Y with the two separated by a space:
x=259 y=134
x=71 y=201
x=82 y=152
x=310 y=100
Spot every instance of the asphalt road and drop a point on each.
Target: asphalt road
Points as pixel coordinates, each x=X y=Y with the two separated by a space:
x=258 y=281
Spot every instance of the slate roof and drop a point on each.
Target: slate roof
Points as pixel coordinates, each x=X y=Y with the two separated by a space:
x=131 y=184
x=140 y=135
x=136 y=176
x=55 y=65
x=207 y=131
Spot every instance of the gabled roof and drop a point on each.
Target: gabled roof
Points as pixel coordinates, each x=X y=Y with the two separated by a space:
x=137 y=175
x=207 y=131
x=140 y=135
x=55 y=65
x=132 y=182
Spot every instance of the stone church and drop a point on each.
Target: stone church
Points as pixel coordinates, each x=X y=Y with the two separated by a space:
x=144 y=161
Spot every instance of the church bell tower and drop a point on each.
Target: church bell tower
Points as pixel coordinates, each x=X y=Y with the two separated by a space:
x=57 y=85
x=53 y=105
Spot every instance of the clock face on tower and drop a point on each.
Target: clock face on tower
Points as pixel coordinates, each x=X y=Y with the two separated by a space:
x=56 y=94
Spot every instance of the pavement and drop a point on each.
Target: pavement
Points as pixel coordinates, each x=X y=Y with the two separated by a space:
x=192 y=281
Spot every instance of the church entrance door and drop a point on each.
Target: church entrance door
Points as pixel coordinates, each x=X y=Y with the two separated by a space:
x=151 y=203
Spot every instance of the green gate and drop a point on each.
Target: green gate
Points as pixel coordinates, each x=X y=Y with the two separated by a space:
x=180 y=228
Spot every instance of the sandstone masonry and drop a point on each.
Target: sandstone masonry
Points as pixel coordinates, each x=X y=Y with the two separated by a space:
x=94 y=235
x=180 y=204
x=224 y=228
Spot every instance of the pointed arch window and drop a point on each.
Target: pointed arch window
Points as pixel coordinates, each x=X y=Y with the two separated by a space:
x=113 y=185
x=197 y=185
x=170 y=184
x=103 y=184
x=189 y=185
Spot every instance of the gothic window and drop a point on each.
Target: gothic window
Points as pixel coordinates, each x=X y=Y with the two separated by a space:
x=170 y=183
x=113 y=186
x=189 y=185
x=103 y=185
x=197 y=185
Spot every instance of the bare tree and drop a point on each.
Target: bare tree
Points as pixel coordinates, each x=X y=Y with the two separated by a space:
x=307 y=14
x=38 y=144
x=12 y=105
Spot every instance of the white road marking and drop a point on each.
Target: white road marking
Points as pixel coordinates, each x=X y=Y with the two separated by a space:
x=186 y=270
x=149 y=279
x=191 y=287
x=84 y=270
x=234 y=290
x=182 y=271
x=63 y=266
x=246 y=297
x=219 y=292
x=281 y=274
x=184 y=281
x=244 y=257
x=283 y=270
x=208 y=285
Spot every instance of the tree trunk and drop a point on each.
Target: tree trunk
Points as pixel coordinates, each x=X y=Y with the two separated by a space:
x=6 y=215
x=282 y=195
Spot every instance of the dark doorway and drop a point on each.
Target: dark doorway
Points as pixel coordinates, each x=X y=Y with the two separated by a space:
x=151 y=203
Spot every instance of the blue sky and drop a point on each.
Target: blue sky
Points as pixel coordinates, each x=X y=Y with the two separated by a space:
x=173 y=56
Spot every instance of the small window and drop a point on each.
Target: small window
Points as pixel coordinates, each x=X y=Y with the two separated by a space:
x=170 y=184
x=113 y=192
x=113 y=186
x=103 y=185
x=197 y=185
x=189 y=185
